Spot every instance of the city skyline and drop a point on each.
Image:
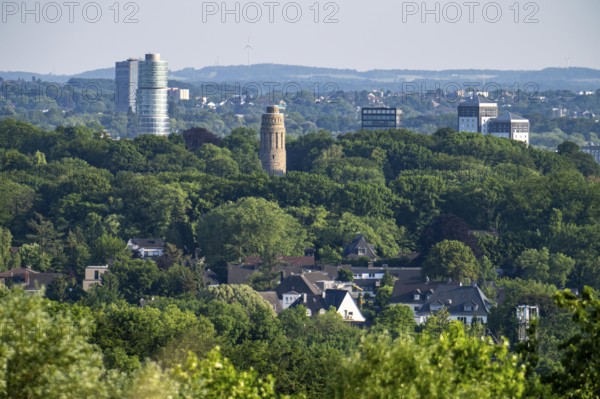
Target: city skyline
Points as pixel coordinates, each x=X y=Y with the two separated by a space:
x=508 y=35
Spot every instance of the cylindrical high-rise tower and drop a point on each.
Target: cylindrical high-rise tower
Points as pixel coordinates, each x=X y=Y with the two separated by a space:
x=152 y=103
x=272 y=142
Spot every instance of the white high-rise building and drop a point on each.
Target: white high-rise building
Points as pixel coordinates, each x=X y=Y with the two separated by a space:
x=475 y=113
x=152 y=102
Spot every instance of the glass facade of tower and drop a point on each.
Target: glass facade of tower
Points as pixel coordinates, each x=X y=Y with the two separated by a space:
x=126 y=80
x=152 y=102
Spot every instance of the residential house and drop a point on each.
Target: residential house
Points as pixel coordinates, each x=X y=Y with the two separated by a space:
x=341 y=300
x=321 y=279
x=315 y=291
x=464 y=303
x=30 y=280
x=359 y=248
x=368 y=279
x=271 y=297
x=287 y=265
x=293 y=287
x=147 y=247
x=93 y=275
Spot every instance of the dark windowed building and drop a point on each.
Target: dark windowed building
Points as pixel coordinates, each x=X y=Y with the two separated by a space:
x=126 y=79
x=510 y=126
x=593 y=150
x=474 y=114
x=380 y=118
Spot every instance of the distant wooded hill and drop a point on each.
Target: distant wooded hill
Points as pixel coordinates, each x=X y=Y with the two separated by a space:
x=349 y=79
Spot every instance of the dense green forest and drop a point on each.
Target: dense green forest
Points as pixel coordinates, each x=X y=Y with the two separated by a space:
x=523 y=222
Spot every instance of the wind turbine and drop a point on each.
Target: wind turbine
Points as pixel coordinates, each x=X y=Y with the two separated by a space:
x=568 y=60
x=248 y=48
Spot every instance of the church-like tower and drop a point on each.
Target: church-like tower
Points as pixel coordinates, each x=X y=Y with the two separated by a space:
x=272 y=142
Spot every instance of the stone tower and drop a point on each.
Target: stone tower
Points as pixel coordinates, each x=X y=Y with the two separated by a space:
x=272 y=142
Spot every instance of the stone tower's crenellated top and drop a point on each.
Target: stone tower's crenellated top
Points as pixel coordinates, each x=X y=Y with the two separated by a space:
x=272 y=142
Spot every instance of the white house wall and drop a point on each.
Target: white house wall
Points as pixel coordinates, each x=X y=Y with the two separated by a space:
x=348 y=305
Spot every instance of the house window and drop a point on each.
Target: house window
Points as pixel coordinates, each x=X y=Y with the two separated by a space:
x=417 y=297
x=468 y=308
x=362 y=251
x=462 y=319
x=96 y=275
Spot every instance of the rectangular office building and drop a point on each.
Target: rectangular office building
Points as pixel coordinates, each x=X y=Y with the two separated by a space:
x=380 y=118
x=475 y=113
x=126 y=80
x=593 y=150
x=510 y=126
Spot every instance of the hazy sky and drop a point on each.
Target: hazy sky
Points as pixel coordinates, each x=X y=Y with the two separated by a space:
x=378 y=34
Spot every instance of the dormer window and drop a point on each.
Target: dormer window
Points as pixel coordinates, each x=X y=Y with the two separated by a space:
x=417 y=297
x=470 y=307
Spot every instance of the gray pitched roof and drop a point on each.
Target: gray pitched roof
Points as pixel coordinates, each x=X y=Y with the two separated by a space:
x=290 y=261
x=239 y=274
x=351 y=250
x=317 y=302
x=509 y=117
x=335 y=297
x=404 y=291
x=456 y=297
x=314 y=303
x=271 y=297
x=315 y=277
x=298 y=283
